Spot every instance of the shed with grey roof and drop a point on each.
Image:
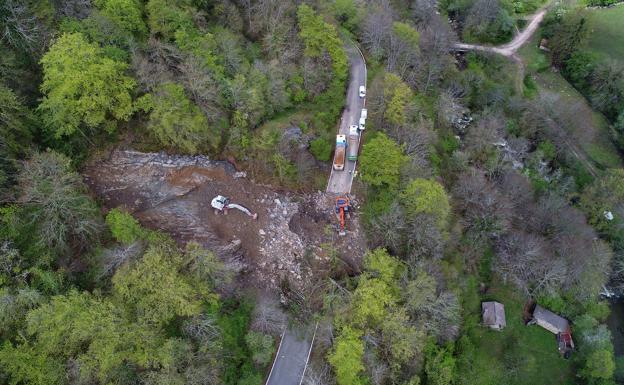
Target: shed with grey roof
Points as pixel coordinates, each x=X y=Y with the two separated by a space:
x=493 y=315
x=550 y=321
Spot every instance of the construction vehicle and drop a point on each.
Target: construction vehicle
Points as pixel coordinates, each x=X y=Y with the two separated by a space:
x=339 y=155
x=222 y=204
x=343 y=211
x=354 y=142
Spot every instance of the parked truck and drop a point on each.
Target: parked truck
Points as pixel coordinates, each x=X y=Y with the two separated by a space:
x=354 y=142
x=340 y=153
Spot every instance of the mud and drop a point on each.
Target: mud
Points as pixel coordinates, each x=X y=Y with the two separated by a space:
x=173 y=194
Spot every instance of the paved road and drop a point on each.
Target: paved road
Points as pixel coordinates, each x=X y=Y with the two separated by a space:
x=293 y=353
x=509 y=49
x=340 y=181
x=291 y=358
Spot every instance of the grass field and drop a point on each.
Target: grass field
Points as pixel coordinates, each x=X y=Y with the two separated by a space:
x=518 y=354
x=586 y=127
x=606 y=38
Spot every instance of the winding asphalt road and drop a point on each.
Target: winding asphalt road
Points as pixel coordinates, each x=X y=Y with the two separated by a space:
x=292 y=357
x=295 y=346
x=340 y=181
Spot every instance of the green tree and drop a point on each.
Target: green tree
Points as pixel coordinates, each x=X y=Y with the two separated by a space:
x=397 y=96
x=123 y=226
x=25 y=365
x=599 y=365
x=382 y=265
x=602 y=197
x=16 y=123
x=82 y=87
x=346 y=357
x=56 y=203
x=439 y=364
x=165 y=17
x=262 y=347
x=370 y=302
x=321 y=40
x=347 y=13
x=14 y=305
x=424 y=196
x=175 y=121
x=155 y=289
x=205 y=266
x=126 y=14
x=91 y=330
x=403 y=342
x=381 y=162
x=565 y=34
x=320 y=37
x=407 y=33
x=321 y=148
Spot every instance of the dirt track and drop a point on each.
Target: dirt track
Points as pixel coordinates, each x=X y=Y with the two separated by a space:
x=173 y=194
x=510 y=49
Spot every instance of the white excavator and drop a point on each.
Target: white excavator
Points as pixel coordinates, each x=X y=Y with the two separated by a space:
x=222 y=204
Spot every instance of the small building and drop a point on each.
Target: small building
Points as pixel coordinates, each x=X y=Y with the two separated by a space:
x=549 y=320
x=557 y=325
x=493 y=315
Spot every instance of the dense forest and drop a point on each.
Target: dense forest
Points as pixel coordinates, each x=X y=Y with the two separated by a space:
x=470 y=191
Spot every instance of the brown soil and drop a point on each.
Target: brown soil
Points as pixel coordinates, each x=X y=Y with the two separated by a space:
x=173 y=194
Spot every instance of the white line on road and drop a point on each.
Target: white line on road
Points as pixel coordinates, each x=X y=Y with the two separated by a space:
x=309 y=351
x=276 y=355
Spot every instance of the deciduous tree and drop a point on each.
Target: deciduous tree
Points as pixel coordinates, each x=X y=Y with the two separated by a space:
x=381 y=162
x=83 y=88
x=346 y=357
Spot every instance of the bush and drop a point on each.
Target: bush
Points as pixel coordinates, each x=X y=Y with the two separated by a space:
x=123 y=226
x=262 y=347
x=599 y=366
x=601 y=3
x=321 y=149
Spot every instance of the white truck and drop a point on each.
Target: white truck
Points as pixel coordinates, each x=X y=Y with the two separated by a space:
x=354 y=142
x=363 y=116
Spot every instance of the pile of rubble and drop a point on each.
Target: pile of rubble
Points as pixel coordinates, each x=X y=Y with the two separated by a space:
x=173 y=194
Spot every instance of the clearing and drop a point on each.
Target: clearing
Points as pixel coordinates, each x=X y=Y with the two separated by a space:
x=288 y=242
x=587 y=128
x=518 y=354
x=605 y=38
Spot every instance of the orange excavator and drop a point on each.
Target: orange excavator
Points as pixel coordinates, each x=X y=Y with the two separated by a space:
x=342 y=209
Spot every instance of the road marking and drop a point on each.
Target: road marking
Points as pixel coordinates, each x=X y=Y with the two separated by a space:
x=309 y=351
x=276 y=355
x=347 y=108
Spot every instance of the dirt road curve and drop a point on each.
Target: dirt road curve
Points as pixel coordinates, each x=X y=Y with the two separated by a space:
x=340 y=181
x=509 y=49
